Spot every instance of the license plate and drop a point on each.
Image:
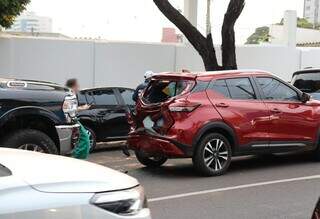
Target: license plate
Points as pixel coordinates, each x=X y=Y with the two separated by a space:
x=148 y=123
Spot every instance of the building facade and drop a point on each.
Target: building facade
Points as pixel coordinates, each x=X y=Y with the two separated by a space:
x=30 y=22
x=312 y=11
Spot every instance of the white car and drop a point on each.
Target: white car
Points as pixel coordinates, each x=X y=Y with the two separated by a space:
x=42 y=186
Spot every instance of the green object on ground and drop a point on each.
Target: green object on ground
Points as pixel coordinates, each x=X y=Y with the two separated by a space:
x=82 y=150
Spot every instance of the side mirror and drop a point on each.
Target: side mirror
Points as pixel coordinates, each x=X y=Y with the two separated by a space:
x=305 y=97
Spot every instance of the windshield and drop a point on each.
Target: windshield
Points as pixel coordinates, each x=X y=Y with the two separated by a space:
x=162 y=90
x=307 y=82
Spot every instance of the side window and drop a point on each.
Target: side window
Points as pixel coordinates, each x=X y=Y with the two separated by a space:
x=276 y=90
x=241 y=89
x=90 y=98
x=82 y=98
x=127 y=96
x=220 y=87
x=104 y=97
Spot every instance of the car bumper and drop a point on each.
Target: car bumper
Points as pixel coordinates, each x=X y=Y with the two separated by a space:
x=68 y=137
x=154 y=144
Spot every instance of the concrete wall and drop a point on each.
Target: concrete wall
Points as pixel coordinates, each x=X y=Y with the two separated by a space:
x=123 y=64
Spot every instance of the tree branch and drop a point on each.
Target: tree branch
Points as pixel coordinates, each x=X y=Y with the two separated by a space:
x=235 y=8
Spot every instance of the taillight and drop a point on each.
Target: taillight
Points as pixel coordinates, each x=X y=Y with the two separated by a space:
x=183 y=106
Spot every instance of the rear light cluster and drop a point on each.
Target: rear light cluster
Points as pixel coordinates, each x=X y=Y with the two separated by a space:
x=183 y=106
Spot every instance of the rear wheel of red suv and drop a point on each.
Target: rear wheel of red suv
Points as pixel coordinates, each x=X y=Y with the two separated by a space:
x=155 y=161
x=213 y=155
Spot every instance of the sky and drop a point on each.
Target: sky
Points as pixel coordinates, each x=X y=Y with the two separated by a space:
x=140 y=20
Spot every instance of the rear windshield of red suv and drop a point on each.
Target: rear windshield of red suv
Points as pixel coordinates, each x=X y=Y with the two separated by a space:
x=162 y=90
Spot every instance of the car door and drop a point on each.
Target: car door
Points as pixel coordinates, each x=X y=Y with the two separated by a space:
x=108 y=113
x=292 y=122
x=86 y=117
x=238 y=103
x=127 y=104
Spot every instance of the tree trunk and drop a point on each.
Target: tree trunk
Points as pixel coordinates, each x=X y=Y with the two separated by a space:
x=229 y=59
x=204 y=45
x=197 y=40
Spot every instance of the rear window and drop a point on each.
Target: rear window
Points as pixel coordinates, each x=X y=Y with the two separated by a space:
x=308 y=82
x=162 y=90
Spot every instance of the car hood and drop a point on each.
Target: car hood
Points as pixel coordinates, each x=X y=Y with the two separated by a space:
x=57 y=174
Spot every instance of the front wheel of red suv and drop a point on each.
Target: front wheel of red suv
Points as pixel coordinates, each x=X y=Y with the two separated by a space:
x=213 y=155
x=155 y=161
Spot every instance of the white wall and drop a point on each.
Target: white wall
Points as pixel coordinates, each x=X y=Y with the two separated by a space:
x=124 y=63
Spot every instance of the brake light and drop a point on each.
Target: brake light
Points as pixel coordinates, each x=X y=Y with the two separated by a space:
x=183 y=106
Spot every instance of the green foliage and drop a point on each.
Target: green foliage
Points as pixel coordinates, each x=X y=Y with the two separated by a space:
x=260 y=35
x=302 y=23
x=9 y=10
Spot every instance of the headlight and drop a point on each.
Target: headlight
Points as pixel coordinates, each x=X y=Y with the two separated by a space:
x=70 y=106
x=127 y=202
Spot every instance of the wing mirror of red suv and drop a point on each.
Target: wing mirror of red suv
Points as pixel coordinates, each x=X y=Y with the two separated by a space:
x=305 y=97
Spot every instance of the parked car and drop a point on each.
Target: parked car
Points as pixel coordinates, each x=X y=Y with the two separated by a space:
x=106 y=120
x=308 y=80
x=211 y=117
x=37 y=116
x=48 y=186
x=316 y=213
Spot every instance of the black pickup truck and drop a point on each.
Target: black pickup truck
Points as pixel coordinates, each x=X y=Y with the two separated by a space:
x=37 y=116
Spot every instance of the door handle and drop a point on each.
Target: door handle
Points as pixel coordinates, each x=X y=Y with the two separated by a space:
x=223 y=105
x=276 y=111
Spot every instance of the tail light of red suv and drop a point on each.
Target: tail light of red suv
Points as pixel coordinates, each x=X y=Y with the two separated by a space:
x=183 y=106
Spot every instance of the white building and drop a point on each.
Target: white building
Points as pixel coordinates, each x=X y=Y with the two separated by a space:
x=30 y=22
x=312 y=11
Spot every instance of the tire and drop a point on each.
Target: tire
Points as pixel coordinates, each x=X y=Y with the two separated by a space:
x=213 y=155
x=317 y=154
x=30 y=139
x=92 y=138
x=152 y=162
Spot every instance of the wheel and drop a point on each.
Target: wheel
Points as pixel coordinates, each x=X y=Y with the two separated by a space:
x=317 y=154
x=31 y=140
x=92 y=138
x=213 y=155
x=155 y=161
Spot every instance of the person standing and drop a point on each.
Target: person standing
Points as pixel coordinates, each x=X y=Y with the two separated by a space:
x=147 y=77
x=82 y=149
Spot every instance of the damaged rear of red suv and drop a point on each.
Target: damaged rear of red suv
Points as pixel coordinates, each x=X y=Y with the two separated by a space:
x=211 y=117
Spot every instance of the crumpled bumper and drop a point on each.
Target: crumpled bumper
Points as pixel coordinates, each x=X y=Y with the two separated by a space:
x=154 y=144
x=68 y=137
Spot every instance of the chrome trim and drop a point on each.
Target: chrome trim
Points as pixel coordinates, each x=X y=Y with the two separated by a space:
x=65 y=137
x=289 y=145
x=280 y=145
x=260 y=145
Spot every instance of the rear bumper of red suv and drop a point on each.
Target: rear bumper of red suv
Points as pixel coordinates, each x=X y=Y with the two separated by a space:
x=154 y=144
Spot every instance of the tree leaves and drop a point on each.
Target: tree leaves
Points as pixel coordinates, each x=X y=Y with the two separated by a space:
x=9 y=10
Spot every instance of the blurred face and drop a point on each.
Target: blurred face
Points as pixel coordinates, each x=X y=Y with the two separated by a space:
x=76 y=87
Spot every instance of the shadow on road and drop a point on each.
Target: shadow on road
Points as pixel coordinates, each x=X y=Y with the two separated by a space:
x=184 y=168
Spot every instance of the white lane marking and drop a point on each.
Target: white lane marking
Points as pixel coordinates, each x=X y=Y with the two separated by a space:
x=205 y=192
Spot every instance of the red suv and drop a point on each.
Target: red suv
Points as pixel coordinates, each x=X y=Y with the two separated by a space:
x=211 y=117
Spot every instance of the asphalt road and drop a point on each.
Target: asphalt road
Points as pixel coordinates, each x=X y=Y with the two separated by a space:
x=254 y=187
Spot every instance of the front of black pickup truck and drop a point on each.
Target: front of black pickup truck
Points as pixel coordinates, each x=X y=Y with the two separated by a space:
x=38 y=116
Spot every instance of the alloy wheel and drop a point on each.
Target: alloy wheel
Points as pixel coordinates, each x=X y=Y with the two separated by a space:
x=31 y=147
x=215 y=154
